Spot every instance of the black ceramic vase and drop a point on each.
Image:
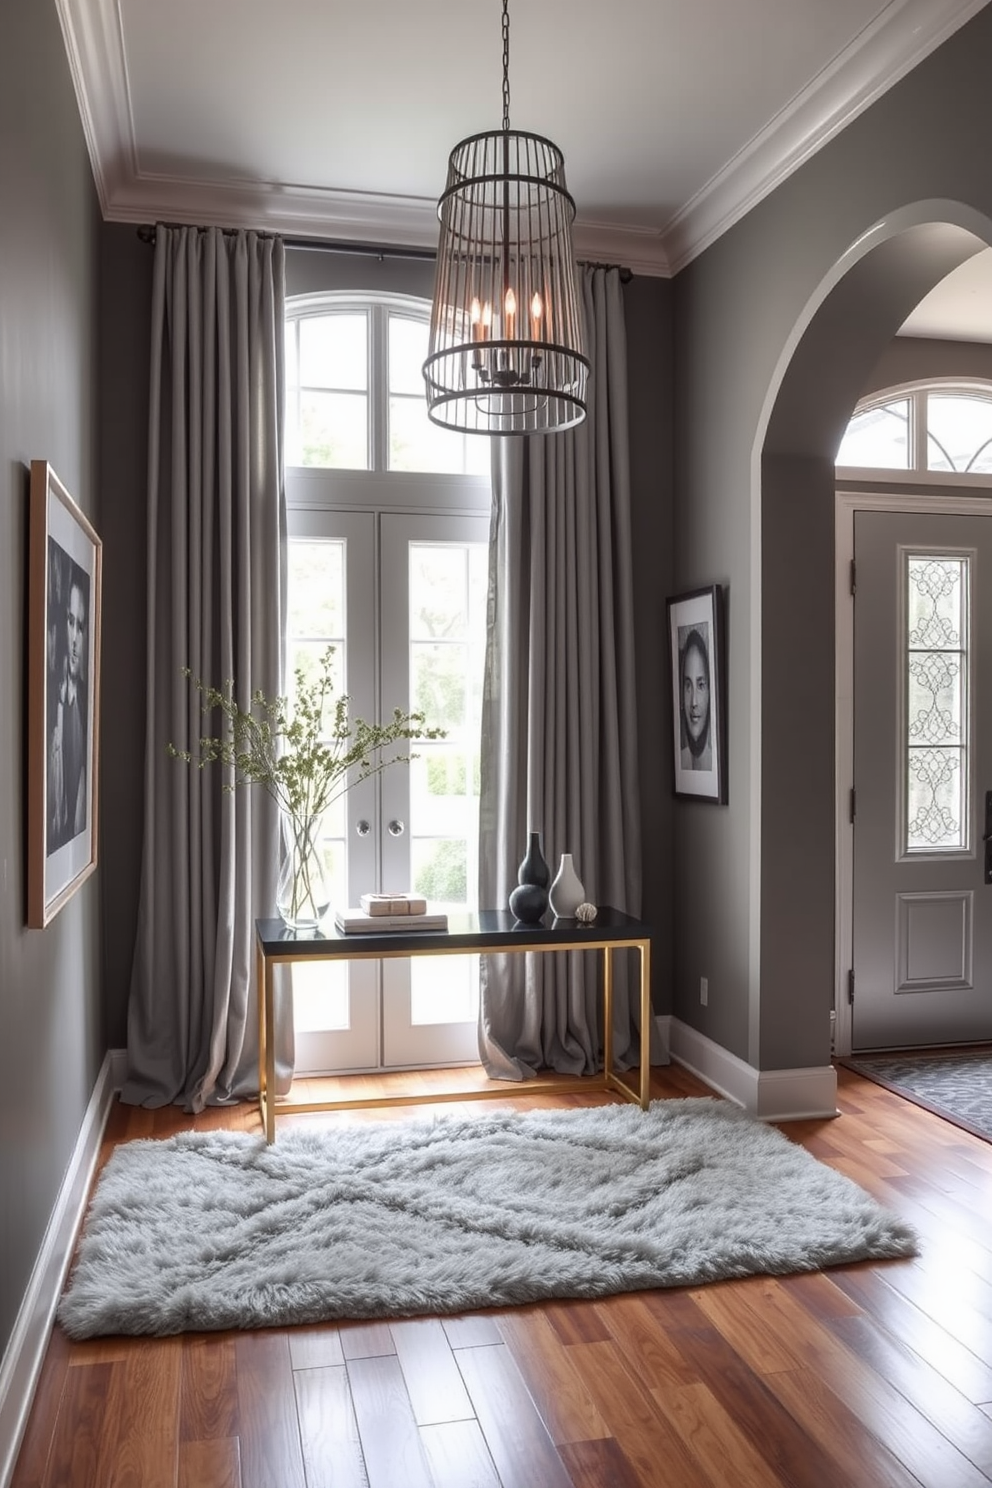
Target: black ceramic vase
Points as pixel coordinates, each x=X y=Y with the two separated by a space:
x=528 y=903
x=533 y=869
x=529 y=899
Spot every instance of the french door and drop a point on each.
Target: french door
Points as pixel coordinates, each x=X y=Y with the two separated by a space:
x=401 y=597
x=922 y=867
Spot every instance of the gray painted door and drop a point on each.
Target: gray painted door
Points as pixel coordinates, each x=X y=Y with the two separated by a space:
x=922 y=919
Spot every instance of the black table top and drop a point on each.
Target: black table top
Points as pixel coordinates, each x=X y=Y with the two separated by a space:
x=488 y=929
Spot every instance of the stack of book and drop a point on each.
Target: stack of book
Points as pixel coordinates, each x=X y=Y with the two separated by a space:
x=383 y=912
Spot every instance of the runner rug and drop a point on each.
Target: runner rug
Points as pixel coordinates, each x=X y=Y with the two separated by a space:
x=956 y=1085
x=218 y=1230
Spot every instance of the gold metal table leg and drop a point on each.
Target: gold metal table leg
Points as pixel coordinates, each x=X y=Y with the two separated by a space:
x=646 y=1016
x=607 y=1011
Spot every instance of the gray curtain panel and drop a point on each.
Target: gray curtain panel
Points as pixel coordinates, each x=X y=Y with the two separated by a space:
x=559 y=711
x=216 y=603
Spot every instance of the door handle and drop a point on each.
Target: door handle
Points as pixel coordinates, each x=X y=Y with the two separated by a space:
x=396 y=828
x=987 y=837
x=363 y=828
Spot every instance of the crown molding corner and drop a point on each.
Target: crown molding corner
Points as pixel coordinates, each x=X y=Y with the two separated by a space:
x=94 y=45
x=639 y=249
x=905 y=33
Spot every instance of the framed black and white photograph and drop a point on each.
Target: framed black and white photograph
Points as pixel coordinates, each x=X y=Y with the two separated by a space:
x=64 y=576
x=695 y=637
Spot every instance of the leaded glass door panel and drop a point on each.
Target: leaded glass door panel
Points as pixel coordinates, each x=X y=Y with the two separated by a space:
x=922 y=915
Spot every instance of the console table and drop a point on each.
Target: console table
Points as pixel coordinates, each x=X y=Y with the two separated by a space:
x=487 y=931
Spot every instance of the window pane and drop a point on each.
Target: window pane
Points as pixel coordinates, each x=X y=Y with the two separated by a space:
x=316 y=591
x=320 y=994
x=959 y=433
x=878 y=438
x=407 y=352
x=334 y=351
x=417 y=444
x=444 y=989
x=936 y=756
x=334 y=430
x=438 y=683
x=438 y=591
x=315 y=620
x=440 y=869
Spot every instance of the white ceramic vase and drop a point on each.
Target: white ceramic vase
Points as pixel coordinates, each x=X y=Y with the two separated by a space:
x=566 y=892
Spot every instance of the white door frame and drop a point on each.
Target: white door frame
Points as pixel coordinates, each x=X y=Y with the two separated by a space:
x=923 y=496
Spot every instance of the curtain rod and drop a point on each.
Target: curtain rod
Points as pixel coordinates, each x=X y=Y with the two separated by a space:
x=369 y=250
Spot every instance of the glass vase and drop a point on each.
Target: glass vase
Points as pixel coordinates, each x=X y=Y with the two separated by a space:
x=302 y=894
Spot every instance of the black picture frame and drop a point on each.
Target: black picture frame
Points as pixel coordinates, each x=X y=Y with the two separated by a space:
x=697 y=674
x=64 y=601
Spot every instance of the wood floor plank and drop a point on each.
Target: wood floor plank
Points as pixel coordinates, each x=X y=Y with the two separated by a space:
x=646 y=1436
x=889 y=1415
x=577 y=1322
x=458 y=1456
x=210 y=1464
x=36 y=1445
x=517 y=1438
x=89 y=1398
x=393 y=1451
x=145 y=1449
x=921 y=1384
x=366 y=1340
x=600 y=1463
x=473 y=1330
x=332 y=1451
x=718 y=1446
x=565 y=1405
x=895 y=1314
x=315 y=1348
x=271 y=1453
x=208 y=1401
x=746 y=1314
x=792 y=1454
x=858 y=1459
x=433 y=1381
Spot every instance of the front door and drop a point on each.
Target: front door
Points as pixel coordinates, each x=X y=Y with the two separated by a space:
x=922 y=911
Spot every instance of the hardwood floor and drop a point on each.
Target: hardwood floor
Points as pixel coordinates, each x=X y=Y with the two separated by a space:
x=868 y=1376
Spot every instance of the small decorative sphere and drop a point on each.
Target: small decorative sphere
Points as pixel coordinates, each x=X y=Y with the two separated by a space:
x=586 y=913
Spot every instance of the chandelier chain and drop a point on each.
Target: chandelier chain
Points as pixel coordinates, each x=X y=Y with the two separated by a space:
x=506 y=65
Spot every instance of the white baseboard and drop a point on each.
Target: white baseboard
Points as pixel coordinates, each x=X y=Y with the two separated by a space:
x=25 y=1353
x=771 y=1095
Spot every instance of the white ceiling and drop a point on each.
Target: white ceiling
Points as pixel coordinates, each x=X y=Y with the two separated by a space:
x=335 y=118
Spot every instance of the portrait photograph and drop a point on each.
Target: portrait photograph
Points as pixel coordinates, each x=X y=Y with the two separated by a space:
x=695 y=633
x=63 y=695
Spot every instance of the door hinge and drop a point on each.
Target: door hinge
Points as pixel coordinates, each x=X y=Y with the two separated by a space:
x=854 y=796
x=850 y=985
x=854 y=584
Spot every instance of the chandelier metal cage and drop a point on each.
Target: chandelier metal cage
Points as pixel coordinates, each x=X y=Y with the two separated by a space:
x=505 y=354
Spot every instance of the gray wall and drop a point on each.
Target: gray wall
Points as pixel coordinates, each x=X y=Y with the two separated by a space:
x=916 y=358
x=125 y=268
x=769 y=339
x=50 y=1004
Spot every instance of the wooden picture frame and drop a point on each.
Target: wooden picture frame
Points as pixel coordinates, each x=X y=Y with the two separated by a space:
x=699 y=694
x=64 y=600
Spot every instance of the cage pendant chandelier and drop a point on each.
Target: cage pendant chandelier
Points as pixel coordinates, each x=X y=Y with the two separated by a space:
x=505 y=354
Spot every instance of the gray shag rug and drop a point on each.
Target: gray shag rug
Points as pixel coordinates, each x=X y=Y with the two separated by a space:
x=218 y=1230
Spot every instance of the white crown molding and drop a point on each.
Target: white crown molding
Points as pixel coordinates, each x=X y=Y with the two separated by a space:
x=901 y=36
x=891 y=46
